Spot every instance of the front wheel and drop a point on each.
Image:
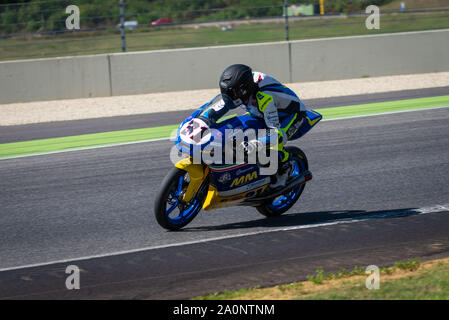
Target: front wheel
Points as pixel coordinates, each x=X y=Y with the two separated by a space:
x=171 y=211
x=277 y=206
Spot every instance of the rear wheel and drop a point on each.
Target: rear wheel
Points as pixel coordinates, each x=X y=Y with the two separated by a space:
x=277 y=206
x=171 y=211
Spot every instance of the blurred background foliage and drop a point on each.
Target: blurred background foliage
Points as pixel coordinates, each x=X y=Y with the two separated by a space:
x=19 y=16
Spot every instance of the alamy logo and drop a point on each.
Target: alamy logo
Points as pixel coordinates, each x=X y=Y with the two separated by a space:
x=373 y=280
x=209 y=146
x=73 y=280
x=373 y=20
x=73 y=20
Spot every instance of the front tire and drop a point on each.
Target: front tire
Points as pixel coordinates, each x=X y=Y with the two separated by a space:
x=171 y=212
x=281 y=204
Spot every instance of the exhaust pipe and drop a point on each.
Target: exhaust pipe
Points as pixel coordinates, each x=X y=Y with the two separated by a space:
x=303 y=178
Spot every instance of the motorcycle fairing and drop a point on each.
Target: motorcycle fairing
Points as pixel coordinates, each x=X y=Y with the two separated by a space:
x=197 y=174
x=214 y=200
x=311 y=119
x=230 y=184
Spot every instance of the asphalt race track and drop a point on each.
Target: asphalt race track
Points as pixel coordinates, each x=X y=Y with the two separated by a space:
x=380 y=194
x=76 y=127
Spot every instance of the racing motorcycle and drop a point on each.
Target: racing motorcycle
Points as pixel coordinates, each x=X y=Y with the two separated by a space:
x=191 y=186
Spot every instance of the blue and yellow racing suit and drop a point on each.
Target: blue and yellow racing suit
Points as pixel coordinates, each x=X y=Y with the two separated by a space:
x=277 y=105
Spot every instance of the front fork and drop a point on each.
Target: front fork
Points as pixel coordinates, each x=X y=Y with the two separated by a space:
x=197 y=174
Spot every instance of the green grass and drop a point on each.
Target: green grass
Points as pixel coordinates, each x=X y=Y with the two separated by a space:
x=411 y=265
x=404 y=280
x=15 y=149
x=228 y=295
x=183 y=37
x=320 y=276
x=432 y=284
x=416 y=4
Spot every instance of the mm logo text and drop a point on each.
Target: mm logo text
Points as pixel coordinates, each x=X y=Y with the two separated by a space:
x=244 y=179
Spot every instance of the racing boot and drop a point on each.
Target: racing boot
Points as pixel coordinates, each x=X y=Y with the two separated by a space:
x=280 y=178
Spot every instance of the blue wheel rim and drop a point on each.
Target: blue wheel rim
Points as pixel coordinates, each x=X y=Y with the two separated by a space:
x=174 y=200
x=284 y=201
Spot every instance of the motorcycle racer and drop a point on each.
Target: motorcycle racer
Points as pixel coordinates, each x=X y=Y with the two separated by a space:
x=265 y=98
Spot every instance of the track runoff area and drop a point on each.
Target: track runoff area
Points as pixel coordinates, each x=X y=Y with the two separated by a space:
x=122 y=137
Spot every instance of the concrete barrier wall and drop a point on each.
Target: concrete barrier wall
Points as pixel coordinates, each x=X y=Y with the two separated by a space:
x=199 y=68
x=189 y=69
x=50 y=79
x=380 y=55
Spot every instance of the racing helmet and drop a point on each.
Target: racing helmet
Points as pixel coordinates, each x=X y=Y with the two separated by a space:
x=237 y=82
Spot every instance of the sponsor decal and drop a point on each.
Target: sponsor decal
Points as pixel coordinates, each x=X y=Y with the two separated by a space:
x=240 y=191
x=240 y=171
x=291 y=131
x=224 y=177
x=244 y=179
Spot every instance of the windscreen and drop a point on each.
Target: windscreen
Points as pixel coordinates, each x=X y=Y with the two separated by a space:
x=216 y=110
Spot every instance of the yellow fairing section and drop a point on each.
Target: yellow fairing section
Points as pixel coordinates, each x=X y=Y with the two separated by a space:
x=211 y=198
x=214 y=201
x=197 y=175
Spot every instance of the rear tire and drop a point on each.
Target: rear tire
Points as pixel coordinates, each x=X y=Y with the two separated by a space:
x=269 y=209
x=169 y=192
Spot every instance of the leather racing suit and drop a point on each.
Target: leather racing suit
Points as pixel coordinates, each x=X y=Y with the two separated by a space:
x=276 y=104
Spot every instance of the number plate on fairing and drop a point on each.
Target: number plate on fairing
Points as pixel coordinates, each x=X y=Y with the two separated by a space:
x=195 y=132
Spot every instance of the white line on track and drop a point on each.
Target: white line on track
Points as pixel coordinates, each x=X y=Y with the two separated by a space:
x=161 y=139
x=423 y=210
